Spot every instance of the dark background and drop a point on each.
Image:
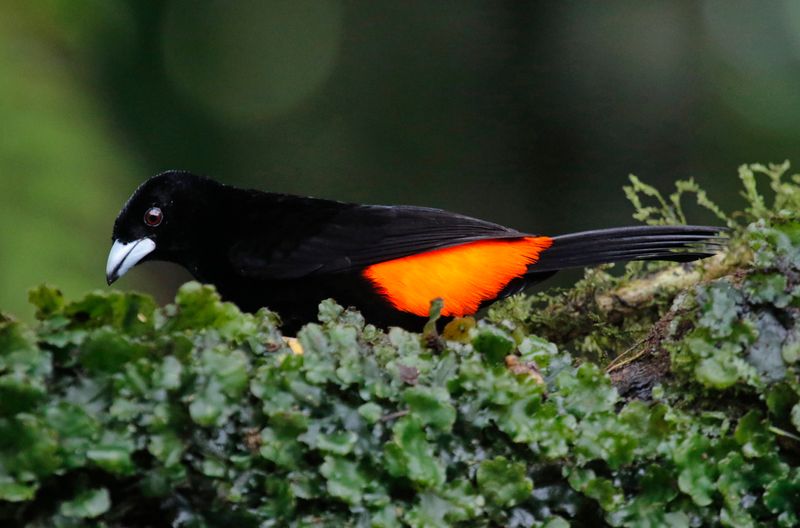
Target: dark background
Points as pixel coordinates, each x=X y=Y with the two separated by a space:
x=528 y=114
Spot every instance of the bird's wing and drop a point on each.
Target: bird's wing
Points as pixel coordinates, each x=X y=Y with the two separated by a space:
x=359 y=236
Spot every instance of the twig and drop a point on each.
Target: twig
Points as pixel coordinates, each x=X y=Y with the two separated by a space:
x=641 y=291
x=393 y=415
x=621 y=360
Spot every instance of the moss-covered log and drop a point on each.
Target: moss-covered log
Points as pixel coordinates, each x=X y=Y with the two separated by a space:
x=663 y=397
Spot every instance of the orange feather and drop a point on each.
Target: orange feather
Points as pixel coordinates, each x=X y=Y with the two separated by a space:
x=464 y=276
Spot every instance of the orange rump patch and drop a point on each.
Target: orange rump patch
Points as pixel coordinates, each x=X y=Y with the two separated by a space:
x=463 y=276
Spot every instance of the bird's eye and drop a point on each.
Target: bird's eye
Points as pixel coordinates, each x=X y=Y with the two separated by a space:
x=153 y=216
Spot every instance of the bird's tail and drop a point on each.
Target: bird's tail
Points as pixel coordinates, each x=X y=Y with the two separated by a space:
x=677 y=243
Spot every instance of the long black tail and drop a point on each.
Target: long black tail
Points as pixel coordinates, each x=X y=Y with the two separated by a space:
x=619 y=244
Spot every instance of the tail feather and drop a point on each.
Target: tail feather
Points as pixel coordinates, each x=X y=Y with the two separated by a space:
x=589 y=248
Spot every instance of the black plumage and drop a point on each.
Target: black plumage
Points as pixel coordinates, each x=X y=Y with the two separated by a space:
x=288 y=252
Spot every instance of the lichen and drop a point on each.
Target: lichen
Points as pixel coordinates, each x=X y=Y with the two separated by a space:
x=115 y=412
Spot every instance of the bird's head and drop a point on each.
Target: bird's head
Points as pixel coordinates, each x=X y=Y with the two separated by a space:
x=159 y=222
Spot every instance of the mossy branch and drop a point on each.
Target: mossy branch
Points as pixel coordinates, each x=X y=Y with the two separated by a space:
x=668 y=396
x=640 y=292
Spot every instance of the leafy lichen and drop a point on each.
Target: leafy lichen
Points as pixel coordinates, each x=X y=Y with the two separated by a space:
x=114 y=412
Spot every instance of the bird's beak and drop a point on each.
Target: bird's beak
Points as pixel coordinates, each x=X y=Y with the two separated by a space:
x=125 y=255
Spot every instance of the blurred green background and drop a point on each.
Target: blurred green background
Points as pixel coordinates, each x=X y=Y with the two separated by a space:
x=527 y=114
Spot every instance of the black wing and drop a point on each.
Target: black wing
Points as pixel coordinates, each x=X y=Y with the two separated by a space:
x=350 y=237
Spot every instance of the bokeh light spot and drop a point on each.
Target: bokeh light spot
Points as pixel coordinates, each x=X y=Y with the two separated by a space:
x=250 y=60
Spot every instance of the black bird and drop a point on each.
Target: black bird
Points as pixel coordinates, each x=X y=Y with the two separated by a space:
x=289 y=253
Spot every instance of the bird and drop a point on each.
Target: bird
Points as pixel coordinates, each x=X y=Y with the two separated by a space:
x=288 y=253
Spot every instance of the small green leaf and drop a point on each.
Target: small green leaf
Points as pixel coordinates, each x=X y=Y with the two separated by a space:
x=345 y=481
x=371 y=412
x=87 y=504
x=753 y=435
x=29 y=447
x=767 y=288
x=208 y=407
x=107 y=351
x=224 y=379
x=113 y=453
x=697 y=473
x=409 y=454
x=430 y=511
x=780 y=398
x=77 y=432
x=329 y=311
x=47 y=300
x=166 y=447
x=717 y=373
x=502 y=482
x=608 y=496
x=429 y=331
x=13 y=491
x=494 y=347
x=169 y=373
x=130 y=312
x=340 y=443
x=556 y=522
x=795 y=416
x=199 y=307
x=587 y=390
x=720 y=307
x=431 y=405
x=790 y=351
x=213 y=468
x=279 y=441
x=782 y=496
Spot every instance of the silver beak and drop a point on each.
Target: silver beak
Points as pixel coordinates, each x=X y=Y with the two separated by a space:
x=123 y=256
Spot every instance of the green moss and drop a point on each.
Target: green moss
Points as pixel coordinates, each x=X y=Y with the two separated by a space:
x=119 y=413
